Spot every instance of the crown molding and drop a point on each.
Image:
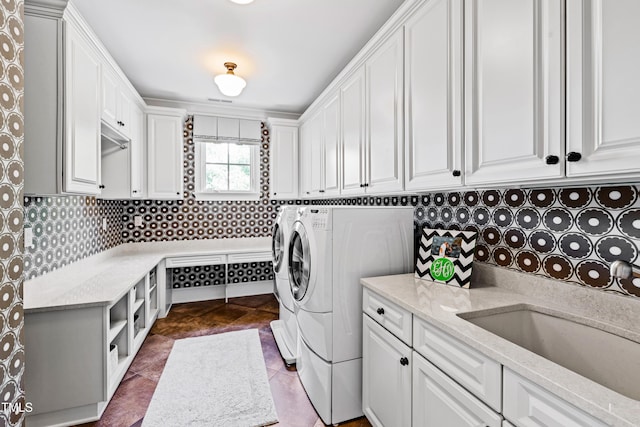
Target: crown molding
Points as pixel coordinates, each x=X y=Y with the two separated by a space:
x=236 y=112
x=276 y=121
x=45 y=8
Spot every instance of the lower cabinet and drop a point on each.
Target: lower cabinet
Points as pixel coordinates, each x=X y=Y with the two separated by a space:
x=440 y=401
x=386 y=377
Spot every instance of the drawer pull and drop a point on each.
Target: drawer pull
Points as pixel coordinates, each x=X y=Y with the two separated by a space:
x=404 y=361
x=380 y=311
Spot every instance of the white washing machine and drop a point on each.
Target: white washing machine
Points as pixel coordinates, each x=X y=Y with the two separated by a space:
x=330 y=249
x=285 y=329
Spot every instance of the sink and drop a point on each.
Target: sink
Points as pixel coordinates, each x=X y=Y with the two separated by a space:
x=591 y=349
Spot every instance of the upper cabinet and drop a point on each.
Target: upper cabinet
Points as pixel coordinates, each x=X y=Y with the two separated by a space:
x=603 y=89
x=433 y=77
x=331 y=145
x=514 y=84
x=62 y=104
x=116 y=105
x=283 y=160
x=352 y=95
x=165 y=169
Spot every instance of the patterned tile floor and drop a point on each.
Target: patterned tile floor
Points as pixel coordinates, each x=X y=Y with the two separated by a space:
x=130 y=402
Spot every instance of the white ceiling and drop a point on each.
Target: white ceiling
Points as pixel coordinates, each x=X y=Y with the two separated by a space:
x=287 y=50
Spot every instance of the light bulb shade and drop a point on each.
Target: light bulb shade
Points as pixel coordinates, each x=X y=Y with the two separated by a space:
x=242 y=1
x=230 y=84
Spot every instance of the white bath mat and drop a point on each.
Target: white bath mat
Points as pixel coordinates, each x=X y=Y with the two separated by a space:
x=215 y=380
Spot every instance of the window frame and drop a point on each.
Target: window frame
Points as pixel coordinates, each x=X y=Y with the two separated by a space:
x=201 y=193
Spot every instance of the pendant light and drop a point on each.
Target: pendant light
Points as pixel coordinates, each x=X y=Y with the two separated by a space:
x=230 y=84
x=242 y=1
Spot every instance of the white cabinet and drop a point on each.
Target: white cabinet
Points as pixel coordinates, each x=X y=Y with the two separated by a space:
x=386 y=376
x=514 y=91
x=353 y=133
x=440 y=401
x=304 y=167
x=384 y=152
x=116 y=105
x=372 y=134
x=434 y=96
x=62 y=105
x=164 y=153
x=238 y=129
x=331 y=146
x=603 y=90
x=81 y=160
x=123 y=165
x=311 y=162
x=527 y=404
x=283 y=161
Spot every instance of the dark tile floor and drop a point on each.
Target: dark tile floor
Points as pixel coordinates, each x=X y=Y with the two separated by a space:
x=130 y=402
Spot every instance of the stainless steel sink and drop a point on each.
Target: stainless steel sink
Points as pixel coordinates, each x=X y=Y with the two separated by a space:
x=595 y=351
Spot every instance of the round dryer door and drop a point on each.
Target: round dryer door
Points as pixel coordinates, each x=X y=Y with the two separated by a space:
x=299 y=262
x=277 y=247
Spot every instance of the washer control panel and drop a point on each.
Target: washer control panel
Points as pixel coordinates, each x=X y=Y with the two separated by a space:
x=319 y=218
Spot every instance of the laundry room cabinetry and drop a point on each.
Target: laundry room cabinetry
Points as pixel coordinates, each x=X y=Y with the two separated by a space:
x=372 y=129
x=311 y=157
x=283 y=161
x=62 y=103
x=514 y=91
x=165 y=171
x=116 y=104
x=433 y=76
x=603 y=91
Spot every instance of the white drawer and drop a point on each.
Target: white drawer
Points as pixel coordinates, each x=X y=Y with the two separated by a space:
x=192 y=261
x=528 y=404
x=473 y=370
x=250 y=257
x=394 y=318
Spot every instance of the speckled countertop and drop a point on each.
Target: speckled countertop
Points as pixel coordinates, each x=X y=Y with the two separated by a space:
x=494 y=288
x=103 y=278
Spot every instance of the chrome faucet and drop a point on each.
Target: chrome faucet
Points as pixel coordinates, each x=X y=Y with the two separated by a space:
x=624 y=270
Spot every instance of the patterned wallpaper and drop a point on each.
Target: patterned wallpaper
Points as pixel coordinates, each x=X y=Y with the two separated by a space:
x=11 y=213
x=66 y=229
x=211 y=275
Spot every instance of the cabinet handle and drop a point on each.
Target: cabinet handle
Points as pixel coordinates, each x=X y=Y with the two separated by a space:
x=321 y=191
x=573 y=157
x=366 y=184
x=275 y=194
x=100 y=186
x=178 y=193
x=361 y=185
x=135 y=191
x=380 y=311
x=552 y=160
x=308 y=192
x=456 y=172
x=404 y=361
x=123 y=124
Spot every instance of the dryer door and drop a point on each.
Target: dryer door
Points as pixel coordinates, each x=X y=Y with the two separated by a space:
x=299 y=261
x=277 y=247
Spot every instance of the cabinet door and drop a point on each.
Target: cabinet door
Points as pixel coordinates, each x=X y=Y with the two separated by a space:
x=124 y=113
x=164 y=149
x=316 y=161
x=331 y=142
x=384 y=135
x=440 y=401
x=386 y=381
x=82 y=116
x=514 y=115
x=284 y=162
x=228 y=128
x=110 y=97
x=433 y=96
x=352 y=111
x=251 y=129
x=305 y=159
x=603 y=103
x=136 y=148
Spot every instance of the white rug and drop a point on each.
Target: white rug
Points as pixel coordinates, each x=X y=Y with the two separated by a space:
x=215 y=380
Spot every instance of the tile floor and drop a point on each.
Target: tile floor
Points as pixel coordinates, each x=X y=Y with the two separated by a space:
x=130 y=402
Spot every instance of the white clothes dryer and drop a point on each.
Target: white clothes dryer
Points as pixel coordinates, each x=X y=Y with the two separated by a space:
x=330 y=249
x=285 y=329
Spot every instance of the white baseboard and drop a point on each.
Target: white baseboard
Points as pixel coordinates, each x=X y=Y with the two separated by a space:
x=205 y=293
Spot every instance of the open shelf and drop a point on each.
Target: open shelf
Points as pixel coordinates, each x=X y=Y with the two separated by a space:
x=137 y=304
x=115 y=328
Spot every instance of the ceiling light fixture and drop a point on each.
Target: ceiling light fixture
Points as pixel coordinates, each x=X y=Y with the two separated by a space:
x=230 y=84
x=242 y=1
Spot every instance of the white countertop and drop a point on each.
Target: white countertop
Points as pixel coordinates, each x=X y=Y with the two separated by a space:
x=103 y=278
x=438 y=305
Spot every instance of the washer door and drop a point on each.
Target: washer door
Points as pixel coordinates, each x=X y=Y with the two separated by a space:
x=299 y=262
x=277 y=247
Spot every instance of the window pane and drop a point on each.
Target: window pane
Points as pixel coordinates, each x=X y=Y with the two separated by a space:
x=239 y=178
x=216 y=153
x=217 y=178
x=240 y=154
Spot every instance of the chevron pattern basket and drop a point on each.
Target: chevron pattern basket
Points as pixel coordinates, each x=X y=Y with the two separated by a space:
x=429 y=265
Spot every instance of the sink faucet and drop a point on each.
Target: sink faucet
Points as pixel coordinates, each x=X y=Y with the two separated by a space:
x=624 y=270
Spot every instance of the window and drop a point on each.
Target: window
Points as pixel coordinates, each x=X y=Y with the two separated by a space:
x=227 y=171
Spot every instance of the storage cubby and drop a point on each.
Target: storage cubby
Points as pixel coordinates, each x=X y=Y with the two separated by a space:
x=117 y=348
